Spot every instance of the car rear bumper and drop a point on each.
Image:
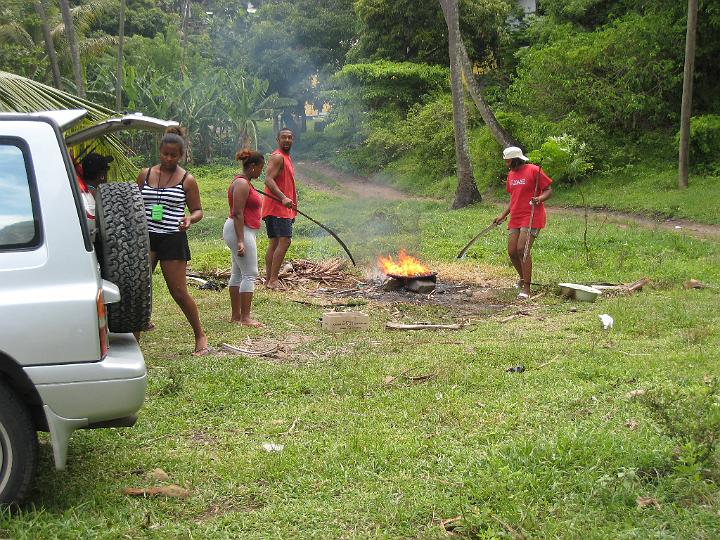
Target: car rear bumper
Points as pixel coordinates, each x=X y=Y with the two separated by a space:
x=82 y=395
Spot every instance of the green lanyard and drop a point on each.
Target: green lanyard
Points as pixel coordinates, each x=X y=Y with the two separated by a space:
x=157 y=210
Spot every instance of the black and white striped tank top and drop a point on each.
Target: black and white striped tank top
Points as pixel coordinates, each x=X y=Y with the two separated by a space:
x=173 y=202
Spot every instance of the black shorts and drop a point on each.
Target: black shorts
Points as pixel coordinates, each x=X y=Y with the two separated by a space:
x=170 y=247
x=278 y=226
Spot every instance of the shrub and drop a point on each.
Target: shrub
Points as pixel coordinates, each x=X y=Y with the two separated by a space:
x=705 y=141
x=623 y=76
x=381 y=84
x=564 y=158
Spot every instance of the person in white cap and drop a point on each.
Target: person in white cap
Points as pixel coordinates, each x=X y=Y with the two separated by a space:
x=529 y=187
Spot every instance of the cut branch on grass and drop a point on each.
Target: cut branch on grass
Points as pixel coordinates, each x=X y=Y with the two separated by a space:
x=422 y=326
x=248 y=352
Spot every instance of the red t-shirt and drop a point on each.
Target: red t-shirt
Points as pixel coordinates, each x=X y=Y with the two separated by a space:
x=521 y=187
x=253 y=204
x=285 y=180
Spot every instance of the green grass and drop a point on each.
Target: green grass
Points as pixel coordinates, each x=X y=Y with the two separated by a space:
x=546 y=453
x=650 y=190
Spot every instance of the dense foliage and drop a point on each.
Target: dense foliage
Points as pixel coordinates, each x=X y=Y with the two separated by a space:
x=603 y=74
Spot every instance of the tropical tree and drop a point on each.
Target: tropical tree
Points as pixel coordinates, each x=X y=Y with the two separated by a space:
x=245 y=101
x=20 y=94
x=502 y=137
x=119 y=71
x=49 y=44
x=72 y=45
x=467 y=192
x=686 y=108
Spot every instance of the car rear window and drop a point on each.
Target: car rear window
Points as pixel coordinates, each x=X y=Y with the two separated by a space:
x=19 y=224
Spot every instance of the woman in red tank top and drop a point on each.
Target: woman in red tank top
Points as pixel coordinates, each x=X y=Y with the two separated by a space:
x=528 y=187
x=239 y=233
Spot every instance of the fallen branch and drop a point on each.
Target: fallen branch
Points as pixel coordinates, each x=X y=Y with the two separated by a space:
x=422 y=326
x=170 y=490
x=639 y=284
x=549 y=361
x=390 y=379
x=291 y=428
x=524 y=313
x=634 y=354
x=248 y=352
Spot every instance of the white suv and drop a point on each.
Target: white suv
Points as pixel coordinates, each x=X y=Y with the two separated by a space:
x=67 y=361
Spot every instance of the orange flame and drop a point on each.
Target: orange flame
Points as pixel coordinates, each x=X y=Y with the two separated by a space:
x=406 y=266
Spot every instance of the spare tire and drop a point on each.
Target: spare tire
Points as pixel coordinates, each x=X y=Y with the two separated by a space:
x=124 y=255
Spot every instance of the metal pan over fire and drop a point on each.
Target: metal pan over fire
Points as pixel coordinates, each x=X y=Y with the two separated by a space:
x=432 y=276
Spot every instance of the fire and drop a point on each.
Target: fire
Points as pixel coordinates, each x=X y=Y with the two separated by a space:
x=406 y=266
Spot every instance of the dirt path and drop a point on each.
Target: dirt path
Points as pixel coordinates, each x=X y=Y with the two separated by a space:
x=628 y=218
x=325 y=178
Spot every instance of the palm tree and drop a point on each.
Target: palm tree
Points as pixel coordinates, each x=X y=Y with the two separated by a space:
x=49 y=44
x=467 y=192
x=686 y=106
x=72 y=44
x=19 y=94
x=119 y=78
x=244 y=103
x=502 y=137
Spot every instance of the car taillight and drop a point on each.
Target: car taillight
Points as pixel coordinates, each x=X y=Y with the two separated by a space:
x=102 y=324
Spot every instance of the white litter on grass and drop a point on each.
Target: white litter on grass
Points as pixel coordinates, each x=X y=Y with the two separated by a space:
x=678 y=227
x=272 y=447
x=607 y=321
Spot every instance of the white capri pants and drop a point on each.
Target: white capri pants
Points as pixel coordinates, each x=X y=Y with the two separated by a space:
x=244 y=269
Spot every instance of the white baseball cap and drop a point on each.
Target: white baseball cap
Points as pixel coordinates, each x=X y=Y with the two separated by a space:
x=512 y=152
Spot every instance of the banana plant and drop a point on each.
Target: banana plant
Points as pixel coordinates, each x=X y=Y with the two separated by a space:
x=244 y=103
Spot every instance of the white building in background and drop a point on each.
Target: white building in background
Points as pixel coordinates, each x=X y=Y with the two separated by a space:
x=529 y=6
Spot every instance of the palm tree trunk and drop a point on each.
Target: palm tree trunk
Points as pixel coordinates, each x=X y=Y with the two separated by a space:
x=467 y=192
x=184 y=29
x=72 y=43
x=502 y=137
x=686 y=107
x=119 y=77
x=49 y=45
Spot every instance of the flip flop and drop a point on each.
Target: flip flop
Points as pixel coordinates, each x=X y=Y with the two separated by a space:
x=523 y=296
x=205 y=351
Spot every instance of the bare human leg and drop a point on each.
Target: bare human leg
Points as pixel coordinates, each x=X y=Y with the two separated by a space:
x=153 y=265
x=524 y=237
x=234 y=303
x=269 y=254
x=174 y=273
x=245 y=305
x=515 y=255
x=240 y=304
x=278 y=256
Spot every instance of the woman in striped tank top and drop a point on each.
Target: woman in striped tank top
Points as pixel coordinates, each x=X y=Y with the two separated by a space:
x=166 y=190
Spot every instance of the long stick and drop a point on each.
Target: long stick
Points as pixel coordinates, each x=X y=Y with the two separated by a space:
x=330 y=231
x=464 y=250
x=532 y=213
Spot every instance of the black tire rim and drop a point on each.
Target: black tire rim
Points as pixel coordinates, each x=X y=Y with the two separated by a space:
x=6 y=458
